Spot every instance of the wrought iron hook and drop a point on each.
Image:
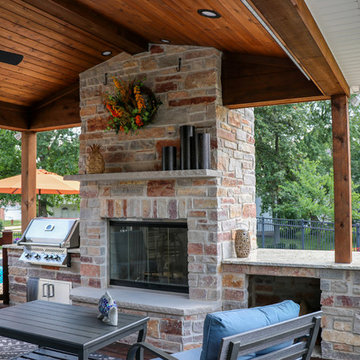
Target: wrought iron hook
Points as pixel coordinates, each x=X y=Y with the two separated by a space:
x=179 y=66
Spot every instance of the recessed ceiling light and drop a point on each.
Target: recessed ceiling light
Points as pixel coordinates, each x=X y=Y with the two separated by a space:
x=355 y=89
x=165 y=41
x=212 y=14
x=106 y=53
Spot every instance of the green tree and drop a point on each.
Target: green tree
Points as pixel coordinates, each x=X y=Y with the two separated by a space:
x=10 y=162
x=276 y=132
x=309 y=195
x=283 y=155
x=58 y=152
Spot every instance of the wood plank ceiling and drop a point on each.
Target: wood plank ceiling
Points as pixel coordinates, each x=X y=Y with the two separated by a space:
x=61 y=38
x=54 y=50
x=178 y=21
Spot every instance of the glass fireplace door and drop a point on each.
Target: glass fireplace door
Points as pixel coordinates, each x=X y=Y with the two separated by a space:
x=149 y=255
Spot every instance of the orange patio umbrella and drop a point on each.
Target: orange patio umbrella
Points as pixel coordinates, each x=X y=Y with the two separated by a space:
x=46 y=183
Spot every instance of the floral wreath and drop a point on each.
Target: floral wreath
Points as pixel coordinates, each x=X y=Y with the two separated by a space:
x=132 y=106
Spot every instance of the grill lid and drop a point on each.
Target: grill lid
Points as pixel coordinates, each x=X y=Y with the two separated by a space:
x=48 y=231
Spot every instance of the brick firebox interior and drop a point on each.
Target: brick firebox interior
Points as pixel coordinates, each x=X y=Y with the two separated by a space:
x=213 y=203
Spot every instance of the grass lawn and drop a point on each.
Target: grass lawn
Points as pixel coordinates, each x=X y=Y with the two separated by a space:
x=7 y=223
x=314 y=243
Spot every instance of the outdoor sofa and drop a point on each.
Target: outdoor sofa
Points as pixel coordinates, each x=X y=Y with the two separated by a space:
x=273 y=332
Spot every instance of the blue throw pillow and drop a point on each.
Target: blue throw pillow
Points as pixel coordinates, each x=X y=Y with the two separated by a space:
x=226 y=323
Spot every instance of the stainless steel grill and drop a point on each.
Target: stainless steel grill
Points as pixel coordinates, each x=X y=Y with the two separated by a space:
x=46 y=241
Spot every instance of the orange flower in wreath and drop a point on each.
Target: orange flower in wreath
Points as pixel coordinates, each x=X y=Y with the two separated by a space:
x=138 y=120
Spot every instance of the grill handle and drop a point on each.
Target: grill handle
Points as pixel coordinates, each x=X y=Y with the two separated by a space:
x=48 y=290
x=28 y=243
x=51 y=290
x=45 y=293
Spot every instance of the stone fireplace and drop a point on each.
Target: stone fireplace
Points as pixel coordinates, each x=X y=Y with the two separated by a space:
x=209 y=204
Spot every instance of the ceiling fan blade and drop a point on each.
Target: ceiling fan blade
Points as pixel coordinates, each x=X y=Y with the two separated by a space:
x=10 y=58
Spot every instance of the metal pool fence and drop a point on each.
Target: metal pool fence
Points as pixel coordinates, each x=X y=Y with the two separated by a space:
x=299 y=234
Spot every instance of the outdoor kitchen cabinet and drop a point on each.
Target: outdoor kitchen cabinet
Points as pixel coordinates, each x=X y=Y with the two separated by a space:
x=54 y=291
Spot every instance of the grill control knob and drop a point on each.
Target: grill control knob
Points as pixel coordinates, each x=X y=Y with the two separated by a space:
x=37 y=256
x=46 y=257
x=28 y=255
x=57 y=258
x=51 y=257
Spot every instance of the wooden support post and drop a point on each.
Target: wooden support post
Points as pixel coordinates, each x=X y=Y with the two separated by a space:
x=28 y=178
x=342 y=179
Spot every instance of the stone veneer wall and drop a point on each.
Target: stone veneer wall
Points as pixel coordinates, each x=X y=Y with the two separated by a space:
x=189 y=96
x=212 y=207
x=340 y=302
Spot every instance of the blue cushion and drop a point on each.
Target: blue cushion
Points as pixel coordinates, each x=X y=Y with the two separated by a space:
x=283 y=311
x=226 y=323
x=193 y=354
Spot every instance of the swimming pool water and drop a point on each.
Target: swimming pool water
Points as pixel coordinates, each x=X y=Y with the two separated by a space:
x=1 y=275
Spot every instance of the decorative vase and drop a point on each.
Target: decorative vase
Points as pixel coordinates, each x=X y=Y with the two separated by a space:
x=95 y=163
x=242 y=243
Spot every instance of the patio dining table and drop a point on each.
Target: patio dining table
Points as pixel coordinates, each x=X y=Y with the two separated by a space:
x=66 y=328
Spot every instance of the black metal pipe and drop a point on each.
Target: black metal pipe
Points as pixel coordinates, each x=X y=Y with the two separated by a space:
x=186 y=133
x=204 y=150
x=169 y=158
x=194 y=151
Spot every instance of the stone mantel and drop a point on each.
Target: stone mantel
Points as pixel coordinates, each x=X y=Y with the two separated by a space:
x=314 y=259
x=147 y=175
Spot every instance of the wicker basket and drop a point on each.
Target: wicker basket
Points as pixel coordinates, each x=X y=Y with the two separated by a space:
x=95 y=163
x=242 y=243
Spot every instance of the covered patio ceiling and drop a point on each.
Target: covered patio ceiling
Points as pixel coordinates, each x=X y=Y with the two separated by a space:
x=61 y=38
x=340 y=25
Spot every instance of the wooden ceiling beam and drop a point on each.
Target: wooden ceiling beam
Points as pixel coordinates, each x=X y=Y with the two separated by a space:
x=291 y=21
x=58 y=111
x=93 y=23
x=13 y=117
x=263 y=80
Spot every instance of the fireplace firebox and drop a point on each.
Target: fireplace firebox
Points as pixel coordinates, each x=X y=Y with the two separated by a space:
x=150 y=255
